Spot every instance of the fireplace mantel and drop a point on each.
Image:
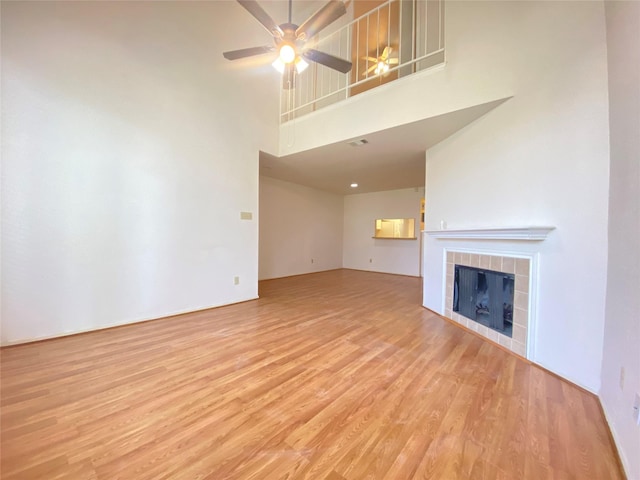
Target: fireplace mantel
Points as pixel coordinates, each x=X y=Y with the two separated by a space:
x=497 y=233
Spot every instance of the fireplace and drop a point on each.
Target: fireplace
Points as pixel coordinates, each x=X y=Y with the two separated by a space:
x=490 y=294
x=485 y=296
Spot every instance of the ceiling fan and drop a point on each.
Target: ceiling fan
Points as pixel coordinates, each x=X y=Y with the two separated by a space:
x=381 y=64
x=290 y=40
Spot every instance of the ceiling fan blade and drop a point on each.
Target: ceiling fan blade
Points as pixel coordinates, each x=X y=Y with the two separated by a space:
x=371 y=59
x=263 y=17
x=336 y=63
x=247 y=52
x=392 y=61
x=328 y=14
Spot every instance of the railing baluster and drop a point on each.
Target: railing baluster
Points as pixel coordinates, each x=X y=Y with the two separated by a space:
x=413 y=23
x=357 y=51
x=366 y=74
x=389 y=26
x=310 y=81
x=299 y=88
x=312 y=93
x=440 y=26
x=378 y=37
x=426 y=27
x=400 y=59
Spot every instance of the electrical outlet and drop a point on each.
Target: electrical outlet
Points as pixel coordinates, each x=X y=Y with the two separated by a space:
x=636 y=409
x=621 y=378
x=236 y=280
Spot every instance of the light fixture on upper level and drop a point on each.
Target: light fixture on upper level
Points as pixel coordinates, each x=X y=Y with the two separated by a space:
x=380 y=65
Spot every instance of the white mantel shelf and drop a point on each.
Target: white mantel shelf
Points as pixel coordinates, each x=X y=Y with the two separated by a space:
x=500 y=233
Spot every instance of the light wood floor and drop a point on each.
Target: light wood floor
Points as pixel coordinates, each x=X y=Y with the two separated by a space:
x=337 y=375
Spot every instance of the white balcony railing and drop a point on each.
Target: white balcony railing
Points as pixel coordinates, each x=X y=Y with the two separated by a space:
x=413 y=31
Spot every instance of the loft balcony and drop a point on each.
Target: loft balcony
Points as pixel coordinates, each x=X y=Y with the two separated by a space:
x=393 y=40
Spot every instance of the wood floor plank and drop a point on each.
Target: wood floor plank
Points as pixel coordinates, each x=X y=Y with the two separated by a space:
x=338 y=375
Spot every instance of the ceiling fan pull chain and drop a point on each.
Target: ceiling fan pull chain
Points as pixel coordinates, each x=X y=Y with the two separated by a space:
x=291 y=128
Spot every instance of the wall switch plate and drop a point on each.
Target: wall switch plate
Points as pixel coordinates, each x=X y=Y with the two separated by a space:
x=246 y=215
x=621 y=378
x=236 y=280
x=636 y=409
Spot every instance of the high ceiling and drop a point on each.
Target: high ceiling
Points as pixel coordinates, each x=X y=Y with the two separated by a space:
x=392 y=158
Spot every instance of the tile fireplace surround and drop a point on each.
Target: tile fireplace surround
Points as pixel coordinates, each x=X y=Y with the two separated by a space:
x=521 y=268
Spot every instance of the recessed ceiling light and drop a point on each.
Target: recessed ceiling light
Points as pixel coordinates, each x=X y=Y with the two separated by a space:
x=359 y=143
x=354 y=185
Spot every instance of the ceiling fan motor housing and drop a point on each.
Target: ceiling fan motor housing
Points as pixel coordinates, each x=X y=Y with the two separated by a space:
x=289 y=38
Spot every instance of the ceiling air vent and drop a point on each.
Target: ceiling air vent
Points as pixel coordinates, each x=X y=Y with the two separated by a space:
x=359 y=143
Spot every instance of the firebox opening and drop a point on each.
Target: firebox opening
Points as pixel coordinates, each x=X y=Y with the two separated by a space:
x=485 y=296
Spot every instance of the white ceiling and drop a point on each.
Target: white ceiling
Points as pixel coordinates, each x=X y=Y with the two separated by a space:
x=393 y=158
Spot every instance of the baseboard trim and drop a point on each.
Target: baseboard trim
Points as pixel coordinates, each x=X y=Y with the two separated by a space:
x=383 y=273
x=118 y=325
x=623 y=464
x=341 y=268
x=298 y=274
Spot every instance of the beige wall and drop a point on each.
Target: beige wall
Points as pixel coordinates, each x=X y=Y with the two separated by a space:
x=622 y=325
x=300 y=229
x=361 y=252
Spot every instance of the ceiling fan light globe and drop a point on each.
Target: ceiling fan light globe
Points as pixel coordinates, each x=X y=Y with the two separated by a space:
x=278 y=65
x=287 y=53
x=301 y=65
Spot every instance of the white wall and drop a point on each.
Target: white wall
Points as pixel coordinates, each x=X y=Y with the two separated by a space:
x=300 y=229
x=389 y=256
x=129 y=149
x=539 y=159
x=622 y=325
